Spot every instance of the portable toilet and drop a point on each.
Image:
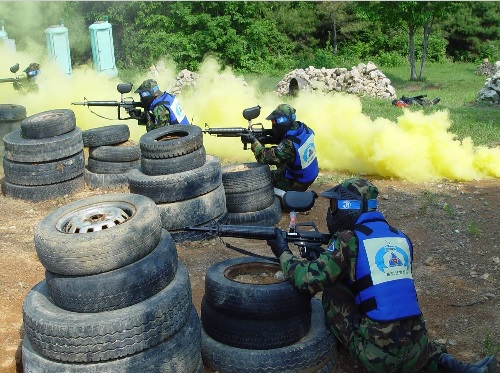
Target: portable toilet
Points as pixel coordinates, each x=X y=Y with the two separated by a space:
x=58 y=46
x=4 y=37
x=103 y=52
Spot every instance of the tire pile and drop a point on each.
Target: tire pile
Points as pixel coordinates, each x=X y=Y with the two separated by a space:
x=250 y=198
x=183 y=181
x=11 y=116
x=111 y=156
x=44 y=159
x=254 y=322
x=115 y=298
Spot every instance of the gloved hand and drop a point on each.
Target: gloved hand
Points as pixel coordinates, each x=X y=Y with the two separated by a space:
x=278 y=245
x=248 y=138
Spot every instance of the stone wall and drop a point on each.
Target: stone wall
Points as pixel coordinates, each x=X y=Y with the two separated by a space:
x=362 y=80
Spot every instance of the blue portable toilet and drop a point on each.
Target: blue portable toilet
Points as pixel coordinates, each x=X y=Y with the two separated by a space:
x=4 y=37
x=103 y=52
x=58 y=46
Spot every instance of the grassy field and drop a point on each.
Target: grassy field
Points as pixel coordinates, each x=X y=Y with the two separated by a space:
x=455 y=84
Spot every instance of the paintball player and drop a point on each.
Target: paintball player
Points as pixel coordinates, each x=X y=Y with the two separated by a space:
x=160 y=108
x=294 y=155
x=369 y=296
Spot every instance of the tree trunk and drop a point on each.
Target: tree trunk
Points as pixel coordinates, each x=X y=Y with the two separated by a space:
x=413 y=72
x=427 y=32
x=334 y=44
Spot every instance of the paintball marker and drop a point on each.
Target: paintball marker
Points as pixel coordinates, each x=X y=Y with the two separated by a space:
x=265 y=136
x=22 y=83
x=308 y=239
x=128 y=104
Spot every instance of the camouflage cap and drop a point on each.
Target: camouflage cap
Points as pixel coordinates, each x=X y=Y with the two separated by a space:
x=361 y=187
x=147 y=85
x=282 y=110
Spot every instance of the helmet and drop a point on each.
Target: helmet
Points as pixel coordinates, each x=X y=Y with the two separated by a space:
x=348 y=201
x=32 y=70
x=148 y=90
x=282 y=119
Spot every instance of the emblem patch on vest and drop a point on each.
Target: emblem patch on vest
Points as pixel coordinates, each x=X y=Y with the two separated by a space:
x=388 y=258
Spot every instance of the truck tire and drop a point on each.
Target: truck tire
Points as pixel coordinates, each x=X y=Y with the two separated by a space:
x=179 y=353
x=310 y=354
x=179 y=186
x=245 y=177
x=107 y=135
x=253 y=334
x=253 y=200
x=124 y=152
x=193 y=211
x=20 y=149
x=171 y=141
x=12 y=113
x=105 y=181
x=48 y=124
x=37 y=193
x=118 y=288
x=98 y=234
x=106 y=167
x=44 y=173
x=268 y=216
x=167 y=166
x=273 y=300
x=95 y=337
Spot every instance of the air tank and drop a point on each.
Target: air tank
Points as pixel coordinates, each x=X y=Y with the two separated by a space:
x=58 y=46
x=103 y=52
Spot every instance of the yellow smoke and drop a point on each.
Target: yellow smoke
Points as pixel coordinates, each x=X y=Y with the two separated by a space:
x=417 y=147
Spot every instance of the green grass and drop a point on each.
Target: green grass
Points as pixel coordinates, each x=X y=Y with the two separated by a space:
x=455 y=84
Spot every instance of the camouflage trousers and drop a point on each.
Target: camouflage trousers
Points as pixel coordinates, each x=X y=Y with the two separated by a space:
x=281 y=182
x=343 y=317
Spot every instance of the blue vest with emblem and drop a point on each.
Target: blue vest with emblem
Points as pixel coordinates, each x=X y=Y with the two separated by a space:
x=177 y=115
x=384 y=288
x=305 y=167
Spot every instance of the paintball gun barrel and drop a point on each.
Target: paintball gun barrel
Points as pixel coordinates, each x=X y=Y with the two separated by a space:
x=129 y=105
x=309 y=239
x=265 y=136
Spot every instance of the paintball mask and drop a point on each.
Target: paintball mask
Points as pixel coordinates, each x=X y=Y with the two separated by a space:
x=32 y=70
x=282 y=119
x=348 y=201
x=147 y=91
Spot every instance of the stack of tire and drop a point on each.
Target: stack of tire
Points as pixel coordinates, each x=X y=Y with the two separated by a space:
x=250 y=198
x=115 y=298
x=183 y=181
x=111 y=156
x=44 y=159
x=263 y=325
x=11 y=116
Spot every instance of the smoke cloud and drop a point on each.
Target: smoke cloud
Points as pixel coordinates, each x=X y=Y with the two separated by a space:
x=417 y=147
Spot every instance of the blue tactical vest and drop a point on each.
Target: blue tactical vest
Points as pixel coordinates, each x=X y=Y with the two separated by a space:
x=305 y=167
x=177 y=115
x=384 y=288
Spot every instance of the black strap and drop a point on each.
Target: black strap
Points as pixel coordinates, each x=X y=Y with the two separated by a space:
x=363 y=229
x=362 y=284
x=368 y=305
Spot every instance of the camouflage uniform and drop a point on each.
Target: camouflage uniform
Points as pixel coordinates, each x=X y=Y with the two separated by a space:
x=161 y=117
x=398 y=346
x=279 y=155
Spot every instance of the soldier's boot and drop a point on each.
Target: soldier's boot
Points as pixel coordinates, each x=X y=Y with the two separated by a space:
x=448 y=364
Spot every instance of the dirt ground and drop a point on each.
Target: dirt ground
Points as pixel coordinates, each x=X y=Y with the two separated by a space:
x=454 y=227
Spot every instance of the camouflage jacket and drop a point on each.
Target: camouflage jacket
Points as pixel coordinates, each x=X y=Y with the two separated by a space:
x=160 y=118
x=278 y=155
x=336 y=264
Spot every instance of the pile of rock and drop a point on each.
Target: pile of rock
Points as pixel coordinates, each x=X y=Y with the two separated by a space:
x=491 y=90
x=362 y=80
x=486 y=68
x=185 y=79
